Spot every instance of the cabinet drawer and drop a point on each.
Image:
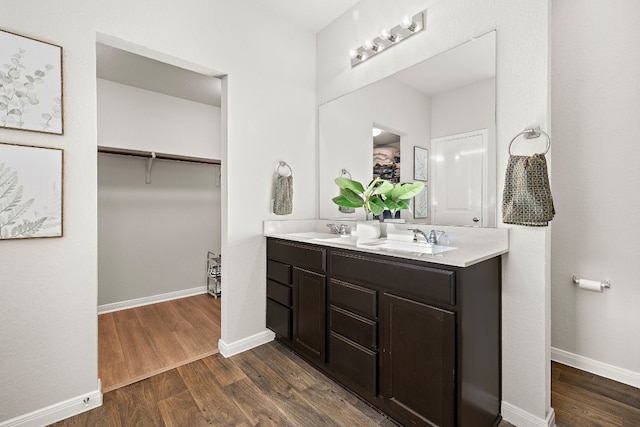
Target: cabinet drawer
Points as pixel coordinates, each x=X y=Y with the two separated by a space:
x=278 y=292
x=279 y=319
x=279 y=271
x=356 y=328
x=355 y=364
x=403 y=278
x=298 y=254
x=354 y=298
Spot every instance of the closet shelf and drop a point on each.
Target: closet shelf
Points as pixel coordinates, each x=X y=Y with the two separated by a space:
x=158 y=156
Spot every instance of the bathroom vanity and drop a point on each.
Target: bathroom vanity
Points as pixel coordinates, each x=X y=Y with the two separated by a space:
x=417 y=339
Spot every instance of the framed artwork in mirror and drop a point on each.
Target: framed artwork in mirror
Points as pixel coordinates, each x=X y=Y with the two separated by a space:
x=30 y=84
x=420 y=164
x=30 y=191
x=421 y=204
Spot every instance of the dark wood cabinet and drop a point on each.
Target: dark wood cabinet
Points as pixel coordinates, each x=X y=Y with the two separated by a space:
x=309 y=308
x=418 y=340
x=419 y=361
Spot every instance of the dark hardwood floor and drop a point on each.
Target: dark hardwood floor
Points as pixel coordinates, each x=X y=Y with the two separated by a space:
x=266 y=386
x=270 y=386
x=583 y=399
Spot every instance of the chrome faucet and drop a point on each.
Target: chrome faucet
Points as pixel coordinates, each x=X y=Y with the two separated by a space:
x=344 y=229
x=333 y=228
x=431 y=238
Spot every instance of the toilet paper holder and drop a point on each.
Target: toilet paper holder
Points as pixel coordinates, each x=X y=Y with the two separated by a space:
x=604 y=283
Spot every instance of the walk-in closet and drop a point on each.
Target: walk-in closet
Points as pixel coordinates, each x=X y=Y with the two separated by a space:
x=159 y=207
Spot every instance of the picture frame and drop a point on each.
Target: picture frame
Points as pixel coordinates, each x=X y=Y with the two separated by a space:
x=31 y=96
x=31 y=202
x=421 y=204
x=420 y=164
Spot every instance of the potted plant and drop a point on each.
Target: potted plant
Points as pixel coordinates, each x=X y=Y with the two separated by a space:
x=378 y=196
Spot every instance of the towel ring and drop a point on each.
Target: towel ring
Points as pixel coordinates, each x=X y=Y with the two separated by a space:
x=345 y=172
x=282 y=164
x=532 y=133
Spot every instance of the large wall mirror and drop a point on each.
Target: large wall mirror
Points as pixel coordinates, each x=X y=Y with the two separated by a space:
x=435 y=122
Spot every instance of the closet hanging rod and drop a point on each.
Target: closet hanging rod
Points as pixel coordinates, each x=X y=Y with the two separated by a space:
x=158 y=156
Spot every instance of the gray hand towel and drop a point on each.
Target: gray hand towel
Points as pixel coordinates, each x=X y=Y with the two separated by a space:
x=527 y=196
x=283 y=200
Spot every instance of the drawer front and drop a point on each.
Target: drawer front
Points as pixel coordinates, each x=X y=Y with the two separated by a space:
x=278 y=292
x=360 y=300
x=356 y=328
x=279 y=319
x=279 y=271
x=402 y=278
x=305 y=256
x=354 y=364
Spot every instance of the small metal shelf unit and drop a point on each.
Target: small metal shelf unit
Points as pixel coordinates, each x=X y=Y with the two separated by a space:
x=214 y=274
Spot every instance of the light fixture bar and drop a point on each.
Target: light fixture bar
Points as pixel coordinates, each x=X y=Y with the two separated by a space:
x=388 y=38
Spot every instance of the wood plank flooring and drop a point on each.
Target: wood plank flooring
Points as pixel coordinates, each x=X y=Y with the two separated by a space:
x=140 y=342
x=583 y=399
x=266 y=386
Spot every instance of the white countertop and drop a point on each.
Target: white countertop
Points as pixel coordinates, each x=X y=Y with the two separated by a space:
x=472 y=244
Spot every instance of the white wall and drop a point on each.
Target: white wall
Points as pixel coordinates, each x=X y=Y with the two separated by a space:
x=347 y=143
x=138 y=119
x=153 y=238
x=522 y=101
x=596 y=100
x=467 y=109
x=464 y=109
x=48 y=310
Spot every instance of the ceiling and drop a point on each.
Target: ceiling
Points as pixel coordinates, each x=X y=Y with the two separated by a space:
x=142 y=72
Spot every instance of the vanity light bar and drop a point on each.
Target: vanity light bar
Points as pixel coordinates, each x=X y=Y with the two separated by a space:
x=388 y=38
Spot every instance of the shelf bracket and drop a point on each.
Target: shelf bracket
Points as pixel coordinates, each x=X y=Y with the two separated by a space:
x=149 y=163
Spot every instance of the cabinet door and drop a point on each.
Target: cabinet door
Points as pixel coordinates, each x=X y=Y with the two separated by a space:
x=418 y=361
x=309 y=308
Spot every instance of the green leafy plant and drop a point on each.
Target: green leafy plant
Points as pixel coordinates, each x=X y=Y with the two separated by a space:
x=378 y=196
x=398 y=198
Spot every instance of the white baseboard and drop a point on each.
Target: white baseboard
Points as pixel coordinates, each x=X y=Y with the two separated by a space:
x=138 y=302
x=615 y=373
x=236 y=347
x=58 y=411
x=521 y=418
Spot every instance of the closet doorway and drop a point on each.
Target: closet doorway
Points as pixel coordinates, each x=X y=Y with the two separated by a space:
x=159 y=215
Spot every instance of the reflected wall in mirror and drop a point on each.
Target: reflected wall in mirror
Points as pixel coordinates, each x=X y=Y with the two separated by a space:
x=445 y=104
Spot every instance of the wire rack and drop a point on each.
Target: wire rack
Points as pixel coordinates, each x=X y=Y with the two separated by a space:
x=214 y=274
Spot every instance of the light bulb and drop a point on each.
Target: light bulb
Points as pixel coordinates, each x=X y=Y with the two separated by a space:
x=368 y=44
x=353 y=53
x=408 y=24
x=376 y=131
x=385 y=34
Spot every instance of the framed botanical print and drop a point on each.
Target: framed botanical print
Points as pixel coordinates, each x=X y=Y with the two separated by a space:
x=420 y=164
x=30 y=191
x=30 y=84
x=421 y=204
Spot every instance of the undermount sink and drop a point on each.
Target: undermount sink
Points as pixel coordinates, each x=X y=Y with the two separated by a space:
x=401 y=246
